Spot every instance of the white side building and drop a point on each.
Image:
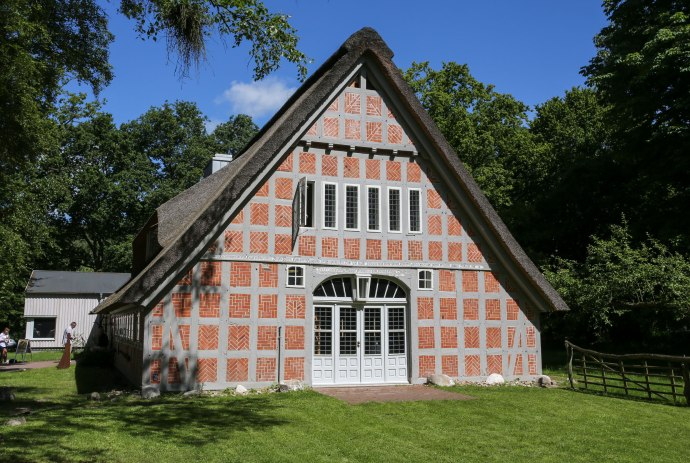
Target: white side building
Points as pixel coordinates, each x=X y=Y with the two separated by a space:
x=54 y=299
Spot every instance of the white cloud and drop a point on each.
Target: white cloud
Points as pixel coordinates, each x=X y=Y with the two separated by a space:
x=256 y=99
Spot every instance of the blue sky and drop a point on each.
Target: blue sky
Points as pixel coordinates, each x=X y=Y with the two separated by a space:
x=532 y=49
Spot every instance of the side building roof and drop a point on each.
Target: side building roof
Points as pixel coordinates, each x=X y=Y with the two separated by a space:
x=59 y=282
x=187 y=223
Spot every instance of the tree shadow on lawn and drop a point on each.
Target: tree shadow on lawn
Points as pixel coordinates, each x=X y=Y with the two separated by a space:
x=632 y=398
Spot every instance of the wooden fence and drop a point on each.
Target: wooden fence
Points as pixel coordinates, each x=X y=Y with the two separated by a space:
x=651 y=376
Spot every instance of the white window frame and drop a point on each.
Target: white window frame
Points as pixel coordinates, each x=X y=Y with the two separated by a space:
x=363 y=282
x=430 y=279
x=30 y=328
x=323 y=205
x=388 y=209
x=359 y=209
x=409 y=211
x=287 y=276
x=378 y=188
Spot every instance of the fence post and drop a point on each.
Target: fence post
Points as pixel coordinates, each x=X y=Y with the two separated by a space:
x=569 y=353
x=646 y=380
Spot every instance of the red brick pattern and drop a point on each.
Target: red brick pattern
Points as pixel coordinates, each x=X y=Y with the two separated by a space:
x=186 y=280
x=454 y=227
x=331 y=127
x=373 y=168
x=373 y=105
x=238 y=337
x=307 y=163
x=471 y=337
x=352 y=103
x=268 y=306
x=207 y=371
x=532 y=364
x=414 y=250
x=208 y=337
x=494 y=364
x=295 y=306
x=455 y=252
x=265 y=369
x=353 y=129
x=237 y=370
x=158 y=310
x=210 y=273
x=263 y=191
x=414 y=173
x=184 y=332
x=435 y=224
x=393 y=171
x=531 y=336
x=240 y=274
x=329 y=165
x=470 y=281
x=446 y=280
x=395 y=134
x=329 y=247
x=294 y=337
x=513 y=309
x=268 y=275
x=286 y=165
x=182 y=303
x=307 y=246
x=209 y=305
x=351 y=248
x=435 y=250
x=449 y=365
x=374 y=132
x=449 y=337
x=240 y=305
x=334 y=105
x=258 y=242
x=283 y=244
x=233 y=241
x=425 y=308
x=427 y=365
x=394 y=250
x=374 y=249
x=511 y=337
x=493 y=338
x=474 y=254
x=449 y=308
x=239 y=218
x=351 y=167
x=173 y=371
x=156 y=337
x=266 y=339
x=433 y=199
x=492 y=309
x=155 y=372
x=491 y=284
x=472 y=365
x=294 y=368
x=519 y=369
x=470 y=309
x=258 y=214
x=426 y=337
x=313 y=130
x=284 y=188
x=283 y=216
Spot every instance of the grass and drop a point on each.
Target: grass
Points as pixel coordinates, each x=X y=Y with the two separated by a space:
x=505 y=424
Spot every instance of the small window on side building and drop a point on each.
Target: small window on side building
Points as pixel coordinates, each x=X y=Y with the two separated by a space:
x=295 y=276
x=426 y=280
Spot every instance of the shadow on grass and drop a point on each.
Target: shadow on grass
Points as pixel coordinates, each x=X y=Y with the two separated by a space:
x=633 y=398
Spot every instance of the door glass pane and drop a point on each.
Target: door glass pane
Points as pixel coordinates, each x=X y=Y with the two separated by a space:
x=396 y=343
x=323 y=337
x=348 y=343
x=372 y=343
x=348 y=331
x=396 y=330
x=348 y=319
x=396 y=318
x=372 y=319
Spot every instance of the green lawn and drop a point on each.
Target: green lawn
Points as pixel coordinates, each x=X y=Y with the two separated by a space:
x=504 y=424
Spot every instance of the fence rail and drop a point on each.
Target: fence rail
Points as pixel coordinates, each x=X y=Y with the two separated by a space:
x=651 y=376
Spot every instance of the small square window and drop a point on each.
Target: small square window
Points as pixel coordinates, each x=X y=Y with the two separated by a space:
x=426 y=280
x=295 y=276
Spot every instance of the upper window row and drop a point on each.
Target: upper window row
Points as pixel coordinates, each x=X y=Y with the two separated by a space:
x=379 y=203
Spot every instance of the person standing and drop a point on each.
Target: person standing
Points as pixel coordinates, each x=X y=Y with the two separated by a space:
x=67 y=342
x=4 y=343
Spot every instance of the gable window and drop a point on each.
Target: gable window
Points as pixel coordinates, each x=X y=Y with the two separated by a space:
x=373 y=208
x=394 y=210
x=330 y=205
x=415 y=210
x=351 y=207
x=295 y=276
x=426 y=280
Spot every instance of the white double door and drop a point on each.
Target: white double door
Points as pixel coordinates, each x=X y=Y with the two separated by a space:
x=359 y=344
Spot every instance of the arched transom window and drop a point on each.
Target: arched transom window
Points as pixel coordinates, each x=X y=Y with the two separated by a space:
x=362 y=288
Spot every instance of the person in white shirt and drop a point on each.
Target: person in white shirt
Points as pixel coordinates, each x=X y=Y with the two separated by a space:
x=4 y=342
x=68 y=334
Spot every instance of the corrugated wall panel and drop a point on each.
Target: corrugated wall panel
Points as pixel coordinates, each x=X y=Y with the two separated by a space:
x=65 y=310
